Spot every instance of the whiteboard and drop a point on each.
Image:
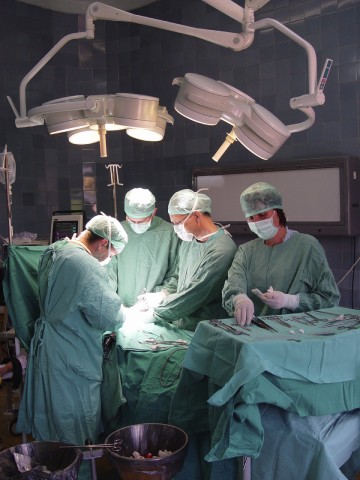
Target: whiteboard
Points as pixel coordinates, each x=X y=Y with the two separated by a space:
x=309 y=195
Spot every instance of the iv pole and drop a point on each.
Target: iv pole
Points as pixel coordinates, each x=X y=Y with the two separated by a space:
x=114 y=180
x=7 y=184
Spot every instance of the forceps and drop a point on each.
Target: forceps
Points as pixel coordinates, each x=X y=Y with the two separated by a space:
x=116 y=446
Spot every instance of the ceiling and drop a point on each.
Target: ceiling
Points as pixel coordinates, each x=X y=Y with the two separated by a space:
x=80 y=6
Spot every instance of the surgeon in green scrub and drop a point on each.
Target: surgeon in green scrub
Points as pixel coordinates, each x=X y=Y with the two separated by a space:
x=280 y=272
x=61 y=400
x=205 y=255
x=148 y=261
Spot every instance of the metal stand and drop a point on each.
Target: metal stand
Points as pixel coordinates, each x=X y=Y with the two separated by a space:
x=114 y=180
x=7 y=170
x=91 y=455
x=246 y=469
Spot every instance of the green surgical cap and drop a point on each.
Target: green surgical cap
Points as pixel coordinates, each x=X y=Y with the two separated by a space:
x=99 y=225
x=187 y=201
x=259 y=198
x=139 y=203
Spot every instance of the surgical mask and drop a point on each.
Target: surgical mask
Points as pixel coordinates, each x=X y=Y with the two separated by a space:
x=139 y=227
x=264 y=229
x=182 y=233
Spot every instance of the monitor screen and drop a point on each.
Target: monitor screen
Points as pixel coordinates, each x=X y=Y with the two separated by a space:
x=65 y=226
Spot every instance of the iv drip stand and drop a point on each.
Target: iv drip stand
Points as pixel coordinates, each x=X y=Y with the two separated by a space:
x=114 y=180
x=8 y=194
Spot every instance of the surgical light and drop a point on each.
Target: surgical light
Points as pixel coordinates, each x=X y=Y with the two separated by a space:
x=200 y=99
x=83 y=136
x=88 y=119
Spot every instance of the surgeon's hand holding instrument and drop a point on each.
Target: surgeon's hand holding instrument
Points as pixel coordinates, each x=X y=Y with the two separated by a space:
x=277 y=300
x=136 y=317
x=243 y=309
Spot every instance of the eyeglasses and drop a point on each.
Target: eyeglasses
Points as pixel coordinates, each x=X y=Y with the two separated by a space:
x=181 y=221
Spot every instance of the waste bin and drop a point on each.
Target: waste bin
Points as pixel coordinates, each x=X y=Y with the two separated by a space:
x=148 y=438
x=40 y=460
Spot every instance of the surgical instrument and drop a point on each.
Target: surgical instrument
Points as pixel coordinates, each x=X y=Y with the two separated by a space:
x=261 y=324
x=166 y=342
x=242 y=326
x=312 y=316
x=116 y=446
x=228 y=328
x=278 y=319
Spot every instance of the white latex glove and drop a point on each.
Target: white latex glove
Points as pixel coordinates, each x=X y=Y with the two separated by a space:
x=152 y=299
x=140 y=306
x=278 y=300
x=243 y=309
x=135 y=317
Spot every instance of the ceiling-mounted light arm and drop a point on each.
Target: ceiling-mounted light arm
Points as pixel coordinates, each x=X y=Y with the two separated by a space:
x=235 y=41
x=314 y=97
x=229 y=8
x=312 y=62
x=22 y=120
x=299 y=127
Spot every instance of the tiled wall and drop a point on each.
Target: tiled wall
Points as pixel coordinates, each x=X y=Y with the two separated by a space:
x=54 y=175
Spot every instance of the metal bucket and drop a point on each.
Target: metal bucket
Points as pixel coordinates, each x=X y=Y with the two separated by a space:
x=148 y=438
x=43 y=460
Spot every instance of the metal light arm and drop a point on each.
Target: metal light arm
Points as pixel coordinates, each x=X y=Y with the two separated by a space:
x=22 y=120
x=235 y=41
x=312 y=62
x=100 y=11
x=311 y=99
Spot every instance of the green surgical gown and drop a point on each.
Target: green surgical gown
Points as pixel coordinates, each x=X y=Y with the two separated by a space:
x=195 y=290
x=61 y=400
x=147 y=262
x=297 y=266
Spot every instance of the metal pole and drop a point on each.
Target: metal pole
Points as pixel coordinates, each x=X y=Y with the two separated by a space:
x=8 y=194
x=114 y=180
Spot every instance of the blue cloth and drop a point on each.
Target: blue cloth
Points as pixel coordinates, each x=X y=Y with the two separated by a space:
x=305 y=447
x=311 y=373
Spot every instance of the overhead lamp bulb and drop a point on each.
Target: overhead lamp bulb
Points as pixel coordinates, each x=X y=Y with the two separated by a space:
x=83 y=136
x=145 y=134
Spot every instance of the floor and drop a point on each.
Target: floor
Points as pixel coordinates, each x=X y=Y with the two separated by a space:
x=104 y=469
